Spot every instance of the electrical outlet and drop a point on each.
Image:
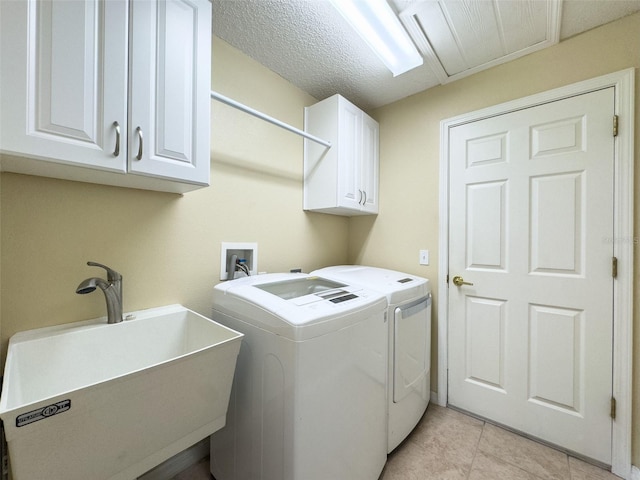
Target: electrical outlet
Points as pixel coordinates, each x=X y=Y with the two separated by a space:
x=424 y=257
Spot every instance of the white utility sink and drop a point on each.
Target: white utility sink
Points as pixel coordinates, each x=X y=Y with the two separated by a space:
x=91 y=400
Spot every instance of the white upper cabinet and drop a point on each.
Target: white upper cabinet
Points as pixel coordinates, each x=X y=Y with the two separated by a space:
x=119 y=88
x=63 y=75
x=170 y=99
x=369 y=165
x=342 y=179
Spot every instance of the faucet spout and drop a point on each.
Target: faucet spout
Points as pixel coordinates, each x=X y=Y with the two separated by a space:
x=114 y=304
x=112 y=289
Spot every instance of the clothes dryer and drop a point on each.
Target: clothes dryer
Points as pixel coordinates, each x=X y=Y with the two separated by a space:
x=308 y=400
x=409 y=315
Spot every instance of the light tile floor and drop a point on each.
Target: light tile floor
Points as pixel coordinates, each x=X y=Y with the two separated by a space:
x=450 y=445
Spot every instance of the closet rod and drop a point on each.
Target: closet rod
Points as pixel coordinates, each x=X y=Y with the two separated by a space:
x=264 y=116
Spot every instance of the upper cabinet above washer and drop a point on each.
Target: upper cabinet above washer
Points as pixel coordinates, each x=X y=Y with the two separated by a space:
x=342 y=179
x=114 y=92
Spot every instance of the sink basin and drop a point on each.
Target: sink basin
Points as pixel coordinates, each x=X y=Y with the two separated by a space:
x=88 y=400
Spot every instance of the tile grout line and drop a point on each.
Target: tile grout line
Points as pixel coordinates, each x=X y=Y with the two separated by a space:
x=475 y=452
x=569 y=466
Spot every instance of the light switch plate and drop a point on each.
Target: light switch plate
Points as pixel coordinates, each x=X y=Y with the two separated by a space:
x=424 y=257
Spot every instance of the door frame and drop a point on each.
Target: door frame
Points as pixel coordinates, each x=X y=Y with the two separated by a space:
x=623 y=243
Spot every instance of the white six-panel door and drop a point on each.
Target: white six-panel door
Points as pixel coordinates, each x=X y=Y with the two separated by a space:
x=531 y=223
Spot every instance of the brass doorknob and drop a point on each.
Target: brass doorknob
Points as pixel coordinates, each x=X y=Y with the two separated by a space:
x=459 y=281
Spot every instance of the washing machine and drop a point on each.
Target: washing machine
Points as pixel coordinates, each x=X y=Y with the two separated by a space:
x=309 y=395
x=409 y=314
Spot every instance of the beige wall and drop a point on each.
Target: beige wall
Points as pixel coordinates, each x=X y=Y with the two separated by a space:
x=166 y=246
x=409 y=146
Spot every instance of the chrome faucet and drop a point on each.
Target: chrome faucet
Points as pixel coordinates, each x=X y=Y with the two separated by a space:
x=112 y=289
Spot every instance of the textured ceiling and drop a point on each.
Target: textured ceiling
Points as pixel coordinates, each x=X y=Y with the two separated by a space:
x=308 y=43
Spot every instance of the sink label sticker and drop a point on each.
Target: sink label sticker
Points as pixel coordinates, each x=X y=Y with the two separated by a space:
x=42 y=413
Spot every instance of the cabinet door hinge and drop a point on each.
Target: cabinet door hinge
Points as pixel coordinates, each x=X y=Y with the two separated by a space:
x=613 y=408
x=614 y=267
x=615 y=125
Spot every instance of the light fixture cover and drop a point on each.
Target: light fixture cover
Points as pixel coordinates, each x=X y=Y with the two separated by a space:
x=379 y=26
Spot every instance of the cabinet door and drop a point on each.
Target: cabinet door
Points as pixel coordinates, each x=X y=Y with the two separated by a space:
x=170 y=57
x=350 y=151
x=63 y=78
x=369 y=164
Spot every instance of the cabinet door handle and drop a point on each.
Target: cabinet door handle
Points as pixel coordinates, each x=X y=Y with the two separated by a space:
x=364 y=202
x=116 y=152
x=140 y=145
x=360 y=198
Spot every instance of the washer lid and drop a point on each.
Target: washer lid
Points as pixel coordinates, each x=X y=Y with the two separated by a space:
x=297 y=306
x=397 y=286
x=302 y=286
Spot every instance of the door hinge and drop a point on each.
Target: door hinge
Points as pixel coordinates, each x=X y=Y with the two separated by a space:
x=614 y=267
x=613 y=408
x=615 y=125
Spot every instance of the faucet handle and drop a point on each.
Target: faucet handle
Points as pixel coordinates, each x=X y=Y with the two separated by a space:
x=112 y=275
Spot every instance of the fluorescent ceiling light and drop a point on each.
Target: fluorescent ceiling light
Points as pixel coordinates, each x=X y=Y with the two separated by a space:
x=379 y=26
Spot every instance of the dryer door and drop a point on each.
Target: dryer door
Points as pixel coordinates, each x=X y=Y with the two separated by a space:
x=411 y=349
